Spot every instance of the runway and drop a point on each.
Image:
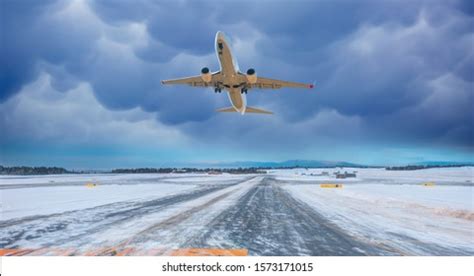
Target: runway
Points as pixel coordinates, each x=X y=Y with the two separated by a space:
x=265 y=214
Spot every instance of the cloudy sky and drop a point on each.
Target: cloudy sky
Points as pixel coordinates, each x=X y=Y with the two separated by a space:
x=80 y=82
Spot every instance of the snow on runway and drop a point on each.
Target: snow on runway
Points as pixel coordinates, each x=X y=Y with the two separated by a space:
x=284 y=212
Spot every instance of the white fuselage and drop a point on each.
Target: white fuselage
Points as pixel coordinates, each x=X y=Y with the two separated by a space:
x=231 y=77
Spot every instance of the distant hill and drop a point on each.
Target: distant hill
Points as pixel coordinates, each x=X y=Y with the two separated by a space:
x=289 y=164
x=444 y=163
x=323 y=164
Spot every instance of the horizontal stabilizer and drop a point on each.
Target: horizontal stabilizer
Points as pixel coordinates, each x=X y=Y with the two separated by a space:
x=248 y=109
x=256 y=110
x=227 y=109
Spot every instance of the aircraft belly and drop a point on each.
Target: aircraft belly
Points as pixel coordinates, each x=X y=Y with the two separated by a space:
x=237 y=99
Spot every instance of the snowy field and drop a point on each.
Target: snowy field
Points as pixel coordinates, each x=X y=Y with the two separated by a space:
x=284 y=212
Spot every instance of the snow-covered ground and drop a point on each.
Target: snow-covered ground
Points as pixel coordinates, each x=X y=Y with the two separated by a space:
x=49 y=200
x=104 y=178
x=458 y=176
x=393 y=209
x=284 y=212
x=60 y=193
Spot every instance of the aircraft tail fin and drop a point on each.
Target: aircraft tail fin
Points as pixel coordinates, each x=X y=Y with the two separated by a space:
x=256 y=110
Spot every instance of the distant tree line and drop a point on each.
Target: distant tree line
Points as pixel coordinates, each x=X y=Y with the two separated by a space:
x=23 y=170
x=144 y=170
x=422 y=167
x=191 y=170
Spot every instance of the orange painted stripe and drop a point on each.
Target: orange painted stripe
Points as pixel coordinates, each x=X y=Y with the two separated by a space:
x=111 y=251
x=127 y=251
x=7 y=252
x=96 y=252
x=14 y=252
x=209 y=252
x=52 y=252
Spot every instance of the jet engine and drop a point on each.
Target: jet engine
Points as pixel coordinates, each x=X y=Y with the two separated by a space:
x=251 y=76
x=206 y=74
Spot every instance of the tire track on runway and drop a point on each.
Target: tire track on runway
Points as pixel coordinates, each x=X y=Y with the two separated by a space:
x=188 y=221
x=268 y=221
x=56 y=229
x=149 y=233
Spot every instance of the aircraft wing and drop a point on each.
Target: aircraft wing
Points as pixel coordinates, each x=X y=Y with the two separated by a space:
x=266 y=83
x=195 y=81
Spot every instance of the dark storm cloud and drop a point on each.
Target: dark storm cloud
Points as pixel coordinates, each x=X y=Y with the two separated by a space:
x=193 y=20
x=17 y=55
x=73 y=49
x=398 y=70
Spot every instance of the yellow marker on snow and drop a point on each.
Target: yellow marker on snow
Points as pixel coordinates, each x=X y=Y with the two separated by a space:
x=330 y=185
x=91 y=185
x=429 y=184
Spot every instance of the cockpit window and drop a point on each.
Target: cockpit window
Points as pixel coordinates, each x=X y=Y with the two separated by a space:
x=220 y=45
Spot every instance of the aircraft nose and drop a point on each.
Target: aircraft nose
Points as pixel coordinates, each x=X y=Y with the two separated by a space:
x=220 y=35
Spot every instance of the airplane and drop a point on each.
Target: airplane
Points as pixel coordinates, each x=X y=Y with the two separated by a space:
x=231 y=79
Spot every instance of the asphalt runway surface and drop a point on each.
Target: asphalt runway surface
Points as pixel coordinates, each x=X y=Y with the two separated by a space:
x=252 y=212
